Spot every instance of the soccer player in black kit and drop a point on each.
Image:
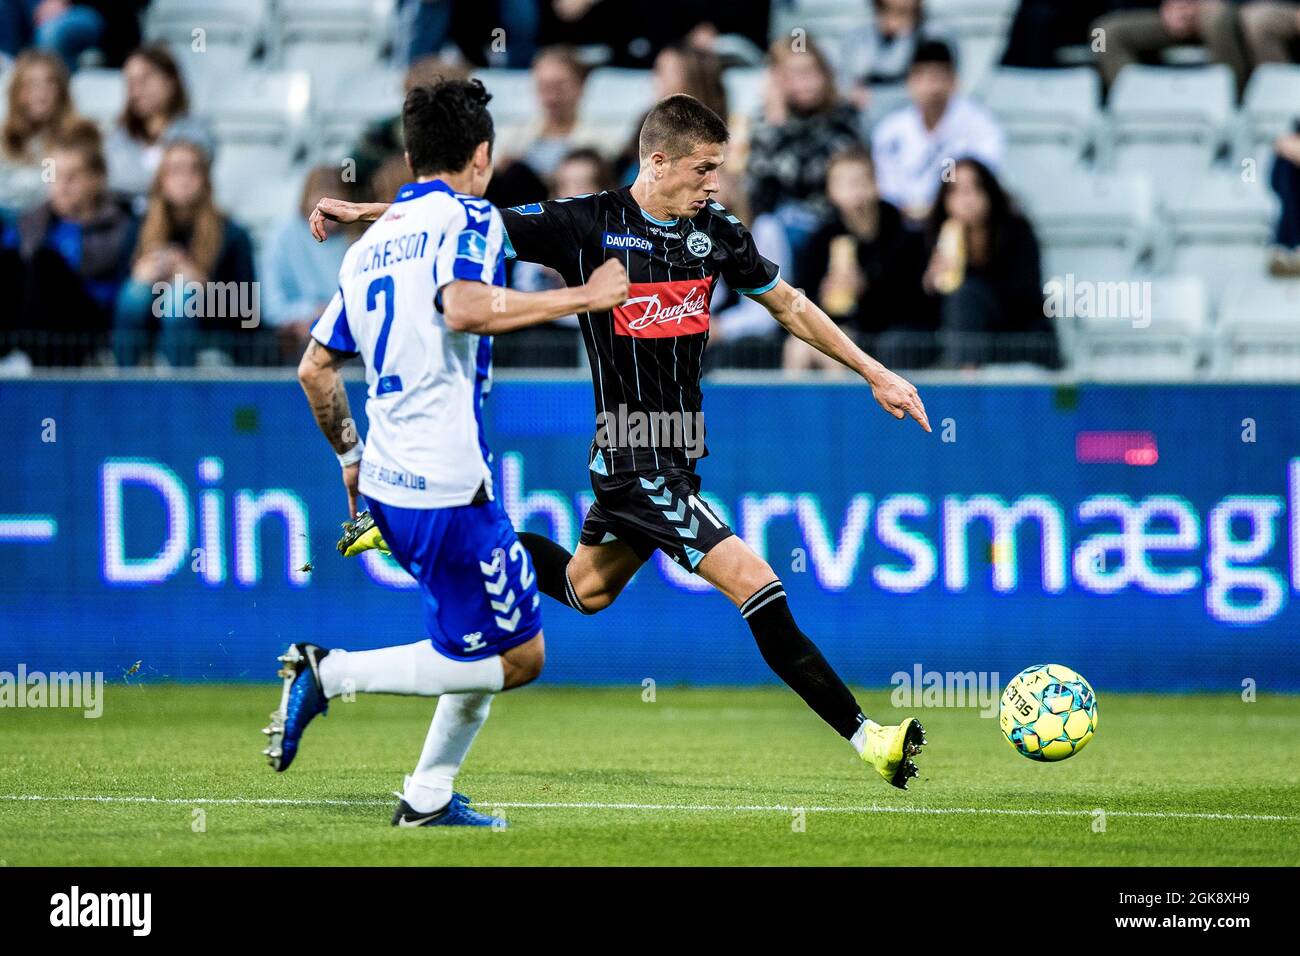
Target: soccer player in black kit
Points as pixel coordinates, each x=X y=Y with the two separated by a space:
x=675 y=241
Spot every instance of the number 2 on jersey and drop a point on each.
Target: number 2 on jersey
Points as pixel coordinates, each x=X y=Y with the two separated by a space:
x=383 y=285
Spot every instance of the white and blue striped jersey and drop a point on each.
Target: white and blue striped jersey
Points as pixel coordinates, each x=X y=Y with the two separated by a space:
x=425 y=383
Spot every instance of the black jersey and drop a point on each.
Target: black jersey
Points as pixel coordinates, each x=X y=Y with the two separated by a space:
x=645 y=354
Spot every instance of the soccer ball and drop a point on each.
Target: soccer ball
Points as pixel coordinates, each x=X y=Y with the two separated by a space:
x=1049 y=712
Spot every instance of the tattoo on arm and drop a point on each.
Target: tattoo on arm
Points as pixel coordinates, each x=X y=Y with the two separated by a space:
x=327 y=396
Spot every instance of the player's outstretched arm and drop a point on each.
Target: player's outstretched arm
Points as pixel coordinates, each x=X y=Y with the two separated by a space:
x=340 y=210
x=805 y=320
x=318 y=373
x=491 y=310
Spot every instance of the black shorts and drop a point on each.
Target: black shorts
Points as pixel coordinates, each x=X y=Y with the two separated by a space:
x=654 y=510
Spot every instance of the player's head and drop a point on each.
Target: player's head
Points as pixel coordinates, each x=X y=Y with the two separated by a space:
x=449 y=131
x=682 y=144
x=932 y=78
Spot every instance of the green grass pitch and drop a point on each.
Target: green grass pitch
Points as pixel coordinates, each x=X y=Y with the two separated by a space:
x=700 y=776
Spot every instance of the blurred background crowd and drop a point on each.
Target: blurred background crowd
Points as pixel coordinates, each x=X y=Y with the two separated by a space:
x=1109 y=188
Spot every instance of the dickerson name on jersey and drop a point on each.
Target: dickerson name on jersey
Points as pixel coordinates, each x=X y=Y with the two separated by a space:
x=381 y=255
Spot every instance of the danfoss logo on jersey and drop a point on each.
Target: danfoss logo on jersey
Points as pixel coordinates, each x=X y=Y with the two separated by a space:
x=656 y=310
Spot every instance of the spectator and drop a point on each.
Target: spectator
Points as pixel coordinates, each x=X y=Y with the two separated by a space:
x=301 y=275
x=805 y=124
x=430 y=24
x=75 y=252
x=184 y=239
x=634 y=31
x=559 y=77
x=915 y=145
x=40 y=112
x=1141 y=29
x=15 y=27
x=677 y=69
x=67 y=29
x=1286 y=183
x=557 y=344
x=1042 y=27
x=984 y=267
x=156 y=114
x=866 y=266
x=121 y=33
x=743 y=334
x=881 y=52
x=1271 y=30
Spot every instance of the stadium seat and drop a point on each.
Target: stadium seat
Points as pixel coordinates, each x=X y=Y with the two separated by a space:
x=354 y=102
x=1049 y=114
x=231 y=32
x=1219 y=229
x=257 y=189
x=885 y=99
x=514 y=97
x=1257 y=335
x=1099 y=222
x=331 y=39
x=826 y=21
x=1168 y=122
x=99 y=95
x=614 y=101
x=1270 y=107
x=205 y=70
x=260 y=115
x=744 y=87
x=1133 y=343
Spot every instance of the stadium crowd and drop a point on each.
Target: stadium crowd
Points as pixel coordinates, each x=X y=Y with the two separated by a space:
x=865 y=164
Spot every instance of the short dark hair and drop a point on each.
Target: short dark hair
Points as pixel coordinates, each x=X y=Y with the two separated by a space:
x=853 y=154
x=933 y=51
x=678 y=124
x=444 y=123
x=83 y=138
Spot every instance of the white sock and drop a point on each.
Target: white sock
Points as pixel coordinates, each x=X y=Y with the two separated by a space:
x=413 y=669
x=859 y=738
x=455 y=723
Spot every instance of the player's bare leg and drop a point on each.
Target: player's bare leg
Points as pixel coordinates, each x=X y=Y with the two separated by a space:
x=588 y=580
x=749 y=582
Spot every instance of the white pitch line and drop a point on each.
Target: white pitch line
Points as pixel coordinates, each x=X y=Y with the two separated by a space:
x=663 y=807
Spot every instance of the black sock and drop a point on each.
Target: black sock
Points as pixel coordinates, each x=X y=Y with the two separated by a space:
x=551 y=563
x=796 y=660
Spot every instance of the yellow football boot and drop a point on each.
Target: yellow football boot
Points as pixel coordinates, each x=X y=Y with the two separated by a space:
x=361 y=535
x=891 y=749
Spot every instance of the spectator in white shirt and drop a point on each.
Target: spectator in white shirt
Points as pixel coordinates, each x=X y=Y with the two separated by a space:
x=915 y=146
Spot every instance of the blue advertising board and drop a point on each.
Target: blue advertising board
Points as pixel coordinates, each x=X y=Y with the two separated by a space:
x=1148 y=536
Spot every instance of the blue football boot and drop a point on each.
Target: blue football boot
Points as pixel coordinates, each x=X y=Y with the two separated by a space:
x=457 y=813
x=301 y=700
